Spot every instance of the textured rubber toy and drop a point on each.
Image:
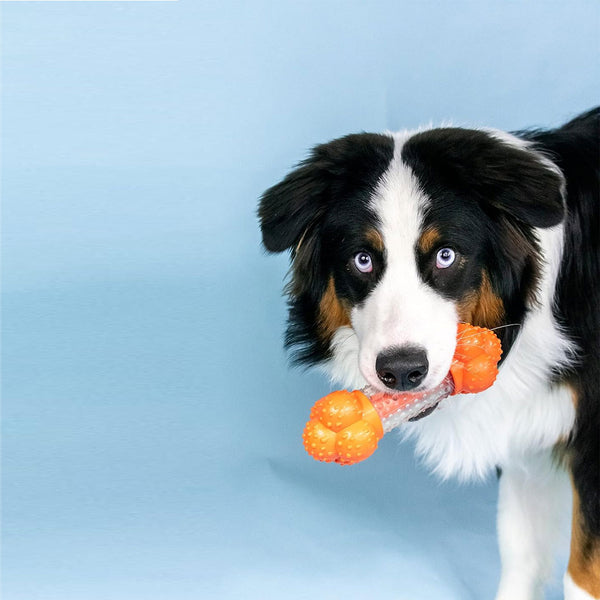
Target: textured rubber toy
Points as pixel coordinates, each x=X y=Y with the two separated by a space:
x=475 y=363
x=345 y=427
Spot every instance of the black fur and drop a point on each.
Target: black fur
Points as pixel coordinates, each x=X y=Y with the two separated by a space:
x=575 y=148
x=499 y=177
x=340 y=172
x=486 y=197
x=320 y=212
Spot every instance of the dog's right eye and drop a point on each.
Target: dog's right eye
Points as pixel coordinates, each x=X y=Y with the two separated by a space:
x=445 y=258
x=363 y=262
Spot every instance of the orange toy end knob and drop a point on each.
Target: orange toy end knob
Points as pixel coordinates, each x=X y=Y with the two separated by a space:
x=343 y=428
x=475 y=364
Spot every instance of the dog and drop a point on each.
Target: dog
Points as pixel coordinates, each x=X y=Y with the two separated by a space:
x=396 y=238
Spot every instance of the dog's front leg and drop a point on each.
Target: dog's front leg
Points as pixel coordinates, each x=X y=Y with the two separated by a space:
x=532 y=504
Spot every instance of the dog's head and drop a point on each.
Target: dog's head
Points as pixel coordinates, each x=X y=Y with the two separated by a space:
x=395 y=239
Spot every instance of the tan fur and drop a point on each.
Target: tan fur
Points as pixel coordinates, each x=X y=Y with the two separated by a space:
x=299 y=244
x=584 y=561
x=429 y=239
x=332 y=312
x=482 y=307
x=374 y=238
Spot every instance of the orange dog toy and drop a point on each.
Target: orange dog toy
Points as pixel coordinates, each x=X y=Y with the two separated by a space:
x=345 y=427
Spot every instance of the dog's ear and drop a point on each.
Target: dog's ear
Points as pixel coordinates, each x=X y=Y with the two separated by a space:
x=290 y=207
x=343 y=167
x=502 y=174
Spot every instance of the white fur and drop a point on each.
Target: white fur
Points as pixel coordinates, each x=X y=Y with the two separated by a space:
x=342 y=368
x=533 y=510
x=573 y=591
x=402 y=310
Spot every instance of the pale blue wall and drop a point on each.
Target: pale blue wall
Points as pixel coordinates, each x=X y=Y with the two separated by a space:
x=142 y=322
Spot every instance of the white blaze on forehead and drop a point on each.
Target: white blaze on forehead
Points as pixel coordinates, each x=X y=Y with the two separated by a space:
x=402 y=310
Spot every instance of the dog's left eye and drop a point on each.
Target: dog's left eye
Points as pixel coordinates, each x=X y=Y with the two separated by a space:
x=445 y=258
x=363 y=262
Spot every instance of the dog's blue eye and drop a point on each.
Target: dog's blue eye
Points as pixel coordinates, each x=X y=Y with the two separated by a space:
x=445 y=257
x=363 y=262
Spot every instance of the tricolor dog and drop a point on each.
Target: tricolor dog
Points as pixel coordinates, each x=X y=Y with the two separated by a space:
x=395 y=238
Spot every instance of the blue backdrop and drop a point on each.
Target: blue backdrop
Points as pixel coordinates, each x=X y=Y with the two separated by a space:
x=151 y=426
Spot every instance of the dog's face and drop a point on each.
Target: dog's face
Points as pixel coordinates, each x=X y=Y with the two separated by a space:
x=396 y=239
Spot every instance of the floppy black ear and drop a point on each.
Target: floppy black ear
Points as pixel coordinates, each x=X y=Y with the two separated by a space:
x=343 y=168
x=289 y=208
x=500 y=174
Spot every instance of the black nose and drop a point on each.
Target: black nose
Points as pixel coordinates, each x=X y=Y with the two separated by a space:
x=403 y=368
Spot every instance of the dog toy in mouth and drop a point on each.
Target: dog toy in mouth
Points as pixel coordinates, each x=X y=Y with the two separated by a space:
x=345 y=427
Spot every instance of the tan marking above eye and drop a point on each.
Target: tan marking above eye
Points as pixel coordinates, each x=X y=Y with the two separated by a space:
x=482 y=307
x=429 y=239
x=333 y=313
x=375 y=239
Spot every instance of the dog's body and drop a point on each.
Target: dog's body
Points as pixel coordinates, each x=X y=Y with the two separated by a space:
x=397 y=238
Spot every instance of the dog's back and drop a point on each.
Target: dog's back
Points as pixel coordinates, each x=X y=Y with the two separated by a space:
x=575 y=148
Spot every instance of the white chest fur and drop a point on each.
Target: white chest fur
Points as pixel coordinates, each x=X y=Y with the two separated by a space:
x=467 y=436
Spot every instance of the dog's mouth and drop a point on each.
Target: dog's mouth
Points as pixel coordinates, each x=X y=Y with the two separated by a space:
x=399 y=407
x=425 y=413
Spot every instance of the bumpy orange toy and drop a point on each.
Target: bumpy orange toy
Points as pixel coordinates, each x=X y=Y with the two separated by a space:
x=345 y=427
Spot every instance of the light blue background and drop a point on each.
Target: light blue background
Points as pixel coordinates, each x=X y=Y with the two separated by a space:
x=151 y=427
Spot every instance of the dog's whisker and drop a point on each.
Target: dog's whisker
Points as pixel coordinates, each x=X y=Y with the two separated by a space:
x=465 y=336
x=504 y=326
